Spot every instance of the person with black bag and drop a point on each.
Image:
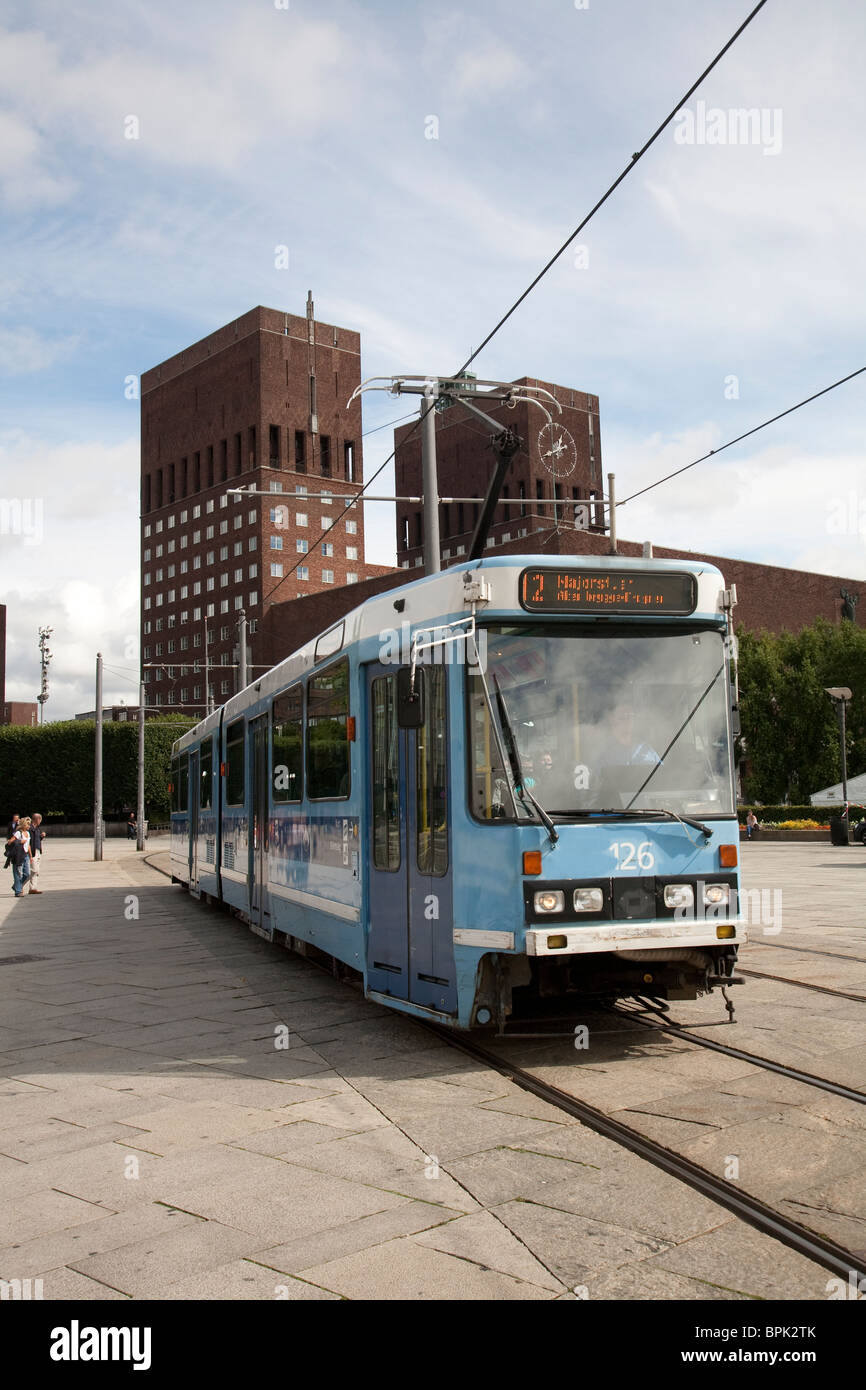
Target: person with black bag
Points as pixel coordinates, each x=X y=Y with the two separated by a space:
x=18 y=855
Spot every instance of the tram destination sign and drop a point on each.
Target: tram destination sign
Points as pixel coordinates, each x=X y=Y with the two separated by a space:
x=560 y=590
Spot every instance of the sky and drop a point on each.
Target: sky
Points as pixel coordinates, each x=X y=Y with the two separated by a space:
x=421 y=163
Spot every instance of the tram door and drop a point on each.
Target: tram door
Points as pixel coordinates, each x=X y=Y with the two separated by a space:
x=410 y=950
x=193 y=820
x=259 y=838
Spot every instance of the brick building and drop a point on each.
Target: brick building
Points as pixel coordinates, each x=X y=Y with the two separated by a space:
x=531 y=496
x=259 y=403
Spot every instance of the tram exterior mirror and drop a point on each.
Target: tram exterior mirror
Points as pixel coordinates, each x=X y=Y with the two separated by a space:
x=410 y=703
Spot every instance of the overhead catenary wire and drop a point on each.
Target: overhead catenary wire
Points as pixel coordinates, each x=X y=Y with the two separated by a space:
x=740 y=437
x=635 y=159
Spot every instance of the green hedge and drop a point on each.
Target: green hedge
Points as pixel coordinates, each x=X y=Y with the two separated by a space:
x=50 y=768
x=777 y=813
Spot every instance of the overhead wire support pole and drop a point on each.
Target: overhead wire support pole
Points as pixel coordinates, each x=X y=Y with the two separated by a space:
x=611 y=493
x=139 y=813
x=430 y=479
x=97 y=764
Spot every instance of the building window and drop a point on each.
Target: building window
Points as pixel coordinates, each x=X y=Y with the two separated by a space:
x=253 y=599
x=147 y=531
x=253 y=573
x=209 y=583
x=224 y=605
x=253 y=543
x=327 y=576
x=300 y=452
x=301 y=546
x=351 y=528
x=303 y=572
x=252 y=518
x=274 y=446
x=239 y=577
x=276 y=542
x=209 y=558
x=351 y=578
x=325 y=455
x=238 y=550
x=327 y=547
x=238 y=523
x=351 y=552
x=224 y=526
x=276 y=571
x=301 y=519
x=349 y=460
x=239 y=601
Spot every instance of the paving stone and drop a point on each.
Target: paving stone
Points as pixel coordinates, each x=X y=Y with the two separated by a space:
x=363 y=1234
x=486 y=1242
x=452 y=1133
x=183 y=1126
x=146 y=1268
x=771 y=1160
x=390 y=1161
x=42 y=1211
x=500 y=1174
x=304 y=1202
x=68 y=1284
x=648 y=1281
x=406 y=1270
x=575 y=1247
x=737 y=1259
x=244 y=1280
x=300 y=1135
x=109 y=1232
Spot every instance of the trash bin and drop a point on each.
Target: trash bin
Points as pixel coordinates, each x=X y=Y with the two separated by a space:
x=839 y=830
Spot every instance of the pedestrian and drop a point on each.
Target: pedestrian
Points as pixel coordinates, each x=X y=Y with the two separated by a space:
x=37 y=835
x=18 y=854
x=132 y=827
x=13 y=825
x=752 y=825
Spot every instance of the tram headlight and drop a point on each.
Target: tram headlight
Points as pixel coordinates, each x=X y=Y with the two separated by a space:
x=716 y=893
x=553 y=900
x=588 y=900
x=679 y=895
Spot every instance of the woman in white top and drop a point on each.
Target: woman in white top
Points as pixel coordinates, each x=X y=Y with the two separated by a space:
x=21 y=871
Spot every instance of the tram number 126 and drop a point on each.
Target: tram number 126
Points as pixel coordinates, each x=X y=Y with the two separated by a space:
x=630 y=856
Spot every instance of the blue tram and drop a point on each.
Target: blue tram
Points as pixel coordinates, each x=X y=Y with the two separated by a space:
x=489 y=792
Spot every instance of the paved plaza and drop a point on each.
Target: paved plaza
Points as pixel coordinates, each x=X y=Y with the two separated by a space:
x=189 y=1112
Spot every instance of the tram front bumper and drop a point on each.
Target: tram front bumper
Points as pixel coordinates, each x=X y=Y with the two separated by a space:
x=595 y=937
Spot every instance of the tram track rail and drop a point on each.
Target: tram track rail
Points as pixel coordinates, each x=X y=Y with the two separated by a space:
x=680 y=1030
x=744 y=1205
x=810 y=951
x=802 y=984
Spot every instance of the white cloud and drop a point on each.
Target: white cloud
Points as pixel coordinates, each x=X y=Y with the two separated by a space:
x=82 y=575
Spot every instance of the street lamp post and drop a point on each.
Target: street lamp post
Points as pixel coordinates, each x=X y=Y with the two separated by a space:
x=840 y=695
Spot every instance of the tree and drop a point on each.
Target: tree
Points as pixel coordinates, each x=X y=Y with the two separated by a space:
x=789 y=727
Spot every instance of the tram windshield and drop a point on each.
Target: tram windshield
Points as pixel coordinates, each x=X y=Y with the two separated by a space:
x=612 y=718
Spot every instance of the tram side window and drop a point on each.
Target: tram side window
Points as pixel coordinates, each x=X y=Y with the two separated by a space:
x=432 y=778
x=328 y=773
x=175 y=784
x=235 y=744
x=183 y=780
x=287 y=743
x=206 y=777
x=386 y=774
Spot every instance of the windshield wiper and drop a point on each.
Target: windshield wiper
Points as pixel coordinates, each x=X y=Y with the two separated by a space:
x=637 y=814
x=516 y=770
